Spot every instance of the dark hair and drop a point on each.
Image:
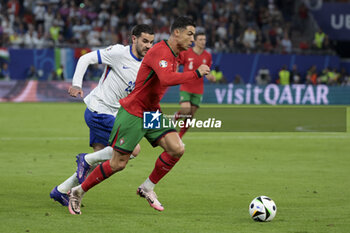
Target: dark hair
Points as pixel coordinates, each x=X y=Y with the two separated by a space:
x=198 y=34
x=142 y=28
x=181 y=23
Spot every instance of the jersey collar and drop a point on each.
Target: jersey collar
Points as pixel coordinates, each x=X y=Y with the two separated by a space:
x=137 y=59
x=166 y=42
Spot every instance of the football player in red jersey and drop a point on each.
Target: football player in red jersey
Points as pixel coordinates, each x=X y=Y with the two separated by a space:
x=191 y=92
x=158 y=71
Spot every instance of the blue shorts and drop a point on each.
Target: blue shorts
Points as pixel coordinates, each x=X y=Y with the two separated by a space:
x=100 y=126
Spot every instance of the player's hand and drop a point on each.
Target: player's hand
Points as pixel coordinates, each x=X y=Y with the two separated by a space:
x=203 y=70
x=74 y=91
x=211 y=78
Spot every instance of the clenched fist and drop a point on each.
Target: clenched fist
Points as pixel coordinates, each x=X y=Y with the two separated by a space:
x=74 y=91
x=203 y=70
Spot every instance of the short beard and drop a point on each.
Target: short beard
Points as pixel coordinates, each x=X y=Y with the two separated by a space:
x=139 y=51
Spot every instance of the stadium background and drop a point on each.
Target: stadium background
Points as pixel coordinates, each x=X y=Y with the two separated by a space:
x=305 y=172
x=42 y=40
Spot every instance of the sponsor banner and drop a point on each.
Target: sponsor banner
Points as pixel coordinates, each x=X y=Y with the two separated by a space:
x=231 y=118
x=334 y=19
x=272 y=94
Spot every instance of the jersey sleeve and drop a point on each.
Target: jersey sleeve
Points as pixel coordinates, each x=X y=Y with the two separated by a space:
x=108 y=55
x=162 y=66
x=82 y=65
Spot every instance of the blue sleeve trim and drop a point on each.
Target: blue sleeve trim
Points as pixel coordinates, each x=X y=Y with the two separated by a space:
x=99 y=57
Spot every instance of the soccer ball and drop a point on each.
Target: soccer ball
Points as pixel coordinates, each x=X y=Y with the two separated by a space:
x=262 y=209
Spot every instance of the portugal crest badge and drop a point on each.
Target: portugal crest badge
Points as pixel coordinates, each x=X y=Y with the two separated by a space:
x=121 y=141
x=163 y=63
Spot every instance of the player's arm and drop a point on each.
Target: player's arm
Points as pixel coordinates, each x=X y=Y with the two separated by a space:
x=168 y=77
x=210 y=77
x=83 y=63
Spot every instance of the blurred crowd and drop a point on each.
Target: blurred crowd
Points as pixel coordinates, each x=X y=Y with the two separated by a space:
x=276 y=26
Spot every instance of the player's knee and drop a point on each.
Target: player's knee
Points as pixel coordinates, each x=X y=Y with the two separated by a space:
x=178 y=150
x=118 y=165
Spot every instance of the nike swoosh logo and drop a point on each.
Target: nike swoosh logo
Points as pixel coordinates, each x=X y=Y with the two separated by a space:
x=126 y=67
x=150 y=200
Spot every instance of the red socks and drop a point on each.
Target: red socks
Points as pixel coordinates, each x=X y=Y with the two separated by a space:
x=100 y=173
x=164 y=164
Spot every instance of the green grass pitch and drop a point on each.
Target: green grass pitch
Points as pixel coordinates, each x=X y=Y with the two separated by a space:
x=209 y=190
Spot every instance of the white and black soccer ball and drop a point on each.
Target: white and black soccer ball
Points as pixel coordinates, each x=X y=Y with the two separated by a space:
x=262 y=209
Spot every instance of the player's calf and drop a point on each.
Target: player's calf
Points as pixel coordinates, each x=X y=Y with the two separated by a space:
x=119 y=161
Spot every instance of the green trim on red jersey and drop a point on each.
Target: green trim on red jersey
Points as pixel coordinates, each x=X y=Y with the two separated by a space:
x=199 y=74
x=149 y=76
x=166 y=42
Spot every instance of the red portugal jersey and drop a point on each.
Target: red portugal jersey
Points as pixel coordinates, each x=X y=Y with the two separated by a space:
x=158 y=70
x=191 y=61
